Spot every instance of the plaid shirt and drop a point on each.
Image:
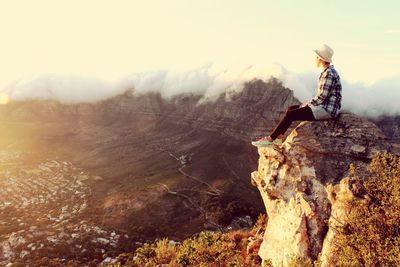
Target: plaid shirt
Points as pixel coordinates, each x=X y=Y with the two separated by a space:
x=329 y=91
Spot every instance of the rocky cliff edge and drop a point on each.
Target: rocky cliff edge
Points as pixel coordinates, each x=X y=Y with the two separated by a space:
x=305 y=186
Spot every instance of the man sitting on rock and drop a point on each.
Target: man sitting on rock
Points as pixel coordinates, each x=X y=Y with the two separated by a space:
x=325 y=105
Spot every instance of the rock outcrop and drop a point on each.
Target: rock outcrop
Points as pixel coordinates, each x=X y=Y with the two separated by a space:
x=305 y=186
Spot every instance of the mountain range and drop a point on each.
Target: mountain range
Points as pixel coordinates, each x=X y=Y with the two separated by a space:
x=147 y=167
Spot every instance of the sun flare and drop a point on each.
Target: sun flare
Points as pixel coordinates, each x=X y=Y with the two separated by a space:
x=4 y=99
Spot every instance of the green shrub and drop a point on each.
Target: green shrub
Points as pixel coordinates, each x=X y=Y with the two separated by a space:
x=204 y=249
x=164 y=251
x=144 y=253
x=261 y=223
x=371 y=234
x=297 y=261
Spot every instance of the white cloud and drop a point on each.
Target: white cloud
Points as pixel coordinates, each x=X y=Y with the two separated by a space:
x=209 y=80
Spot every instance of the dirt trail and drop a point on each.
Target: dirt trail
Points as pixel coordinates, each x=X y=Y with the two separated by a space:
x=213 y=191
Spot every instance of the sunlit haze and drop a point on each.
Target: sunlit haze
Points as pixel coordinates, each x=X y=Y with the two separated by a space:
x=112 y=40
x=199 y=133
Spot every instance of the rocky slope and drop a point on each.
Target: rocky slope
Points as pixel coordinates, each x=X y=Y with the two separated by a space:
x=390 y=125
x=305 y=188
x=165 y=167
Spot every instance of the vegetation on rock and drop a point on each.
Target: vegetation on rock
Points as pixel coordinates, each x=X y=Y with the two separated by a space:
x=371 y=234
x=236 y=248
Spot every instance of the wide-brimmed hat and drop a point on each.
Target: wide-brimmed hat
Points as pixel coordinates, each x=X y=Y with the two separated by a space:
x=325 y=53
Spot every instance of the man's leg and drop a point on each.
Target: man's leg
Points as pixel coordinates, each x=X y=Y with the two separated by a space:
x=281 y=136
x=292 y=107
x=294 y=114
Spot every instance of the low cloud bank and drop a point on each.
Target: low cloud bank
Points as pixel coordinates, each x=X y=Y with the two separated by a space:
x=210 y=80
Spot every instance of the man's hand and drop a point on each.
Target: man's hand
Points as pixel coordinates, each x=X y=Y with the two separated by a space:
x=303 y=105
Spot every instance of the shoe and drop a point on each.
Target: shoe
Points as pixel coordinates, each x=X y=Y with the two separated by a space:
x=263 y=142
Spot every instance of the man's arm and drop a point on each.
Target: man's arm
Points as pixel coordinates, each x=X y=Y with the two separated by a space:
x=324 y=88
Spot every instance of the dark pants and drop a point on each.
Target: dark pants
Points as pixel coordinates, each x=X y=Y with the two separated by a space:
x=293 y=113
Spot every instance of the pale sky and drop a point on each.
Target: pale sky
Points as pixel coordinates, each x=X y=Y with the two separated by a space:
x=110 y=39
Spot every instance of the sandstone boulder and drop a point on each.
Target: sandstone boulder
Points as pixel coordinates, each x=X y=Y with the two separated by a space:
x=304 y=184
